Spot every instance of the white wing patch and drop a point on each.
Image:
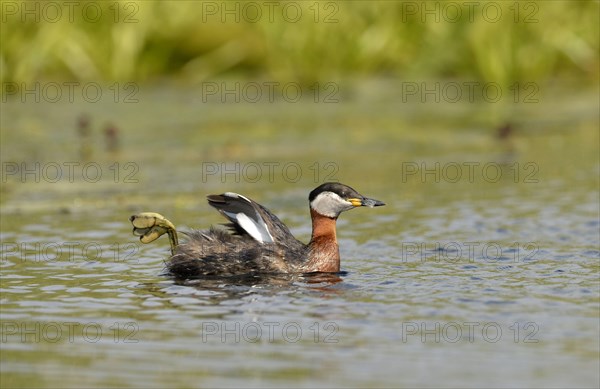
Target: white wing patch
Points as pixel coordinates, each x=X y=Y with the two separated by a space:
x=258 y=230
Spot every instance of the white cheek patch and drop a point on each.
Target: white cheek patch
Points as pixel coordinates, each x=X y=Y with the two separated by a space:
x=330 y=204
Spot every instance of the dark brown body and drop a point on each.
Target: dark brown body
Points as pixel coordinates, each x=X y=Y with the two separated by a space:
x=219 y=252
x=258 y=242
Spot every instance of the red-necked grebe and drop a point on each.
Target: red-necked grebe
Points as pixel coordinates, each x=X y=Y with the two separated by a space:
x=257 y=242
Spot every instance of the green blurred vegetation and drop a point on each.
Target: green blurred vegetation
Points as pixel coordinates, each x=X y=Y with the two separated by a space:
x=195 y=41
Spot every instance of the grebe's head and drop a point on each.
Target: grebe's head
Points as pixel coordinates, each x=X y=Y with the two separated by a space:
x=331 y=199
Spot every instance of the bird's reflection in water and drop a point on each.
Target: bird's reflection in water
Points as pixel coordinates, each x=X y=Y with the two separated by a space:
x=235 y=287
x=263 y=281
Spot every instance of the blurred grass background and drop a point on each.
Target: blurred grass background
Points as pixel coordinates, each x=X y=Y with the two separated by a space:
x=533 y=41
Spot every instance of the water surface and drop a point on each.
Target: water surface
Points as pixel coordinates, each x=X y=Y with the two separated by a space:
x=482 y=270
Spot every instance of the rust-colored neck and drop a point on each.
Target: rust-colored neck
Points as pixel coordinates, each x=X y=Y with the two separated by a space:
x=324 y=253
